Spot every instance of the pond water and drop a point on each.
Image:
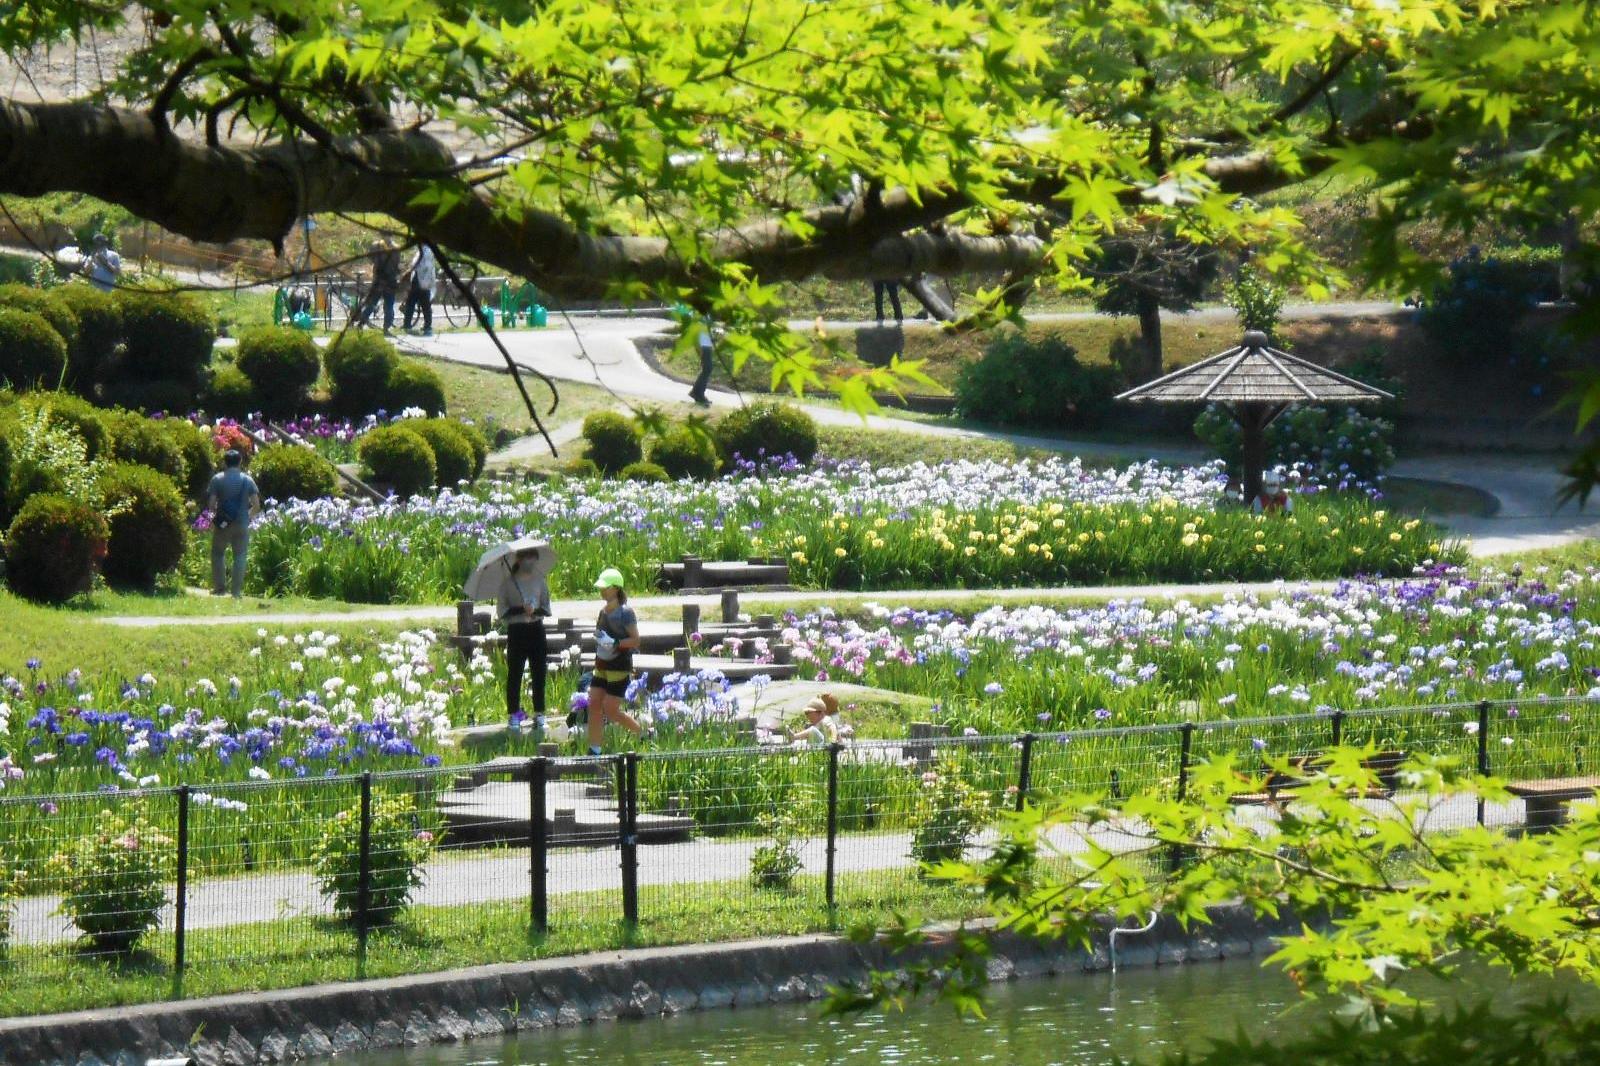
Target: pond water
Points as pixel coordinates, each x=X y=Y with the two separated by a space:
x=1076 y=1020
x=1063 y=1021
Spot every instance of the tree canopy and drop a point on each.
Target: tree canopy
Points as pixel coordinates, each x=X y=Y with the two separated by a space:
x=705 y=151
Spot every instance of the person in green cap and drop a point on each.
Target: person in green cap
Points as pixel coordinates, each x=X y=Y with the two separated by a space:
x=616 y=638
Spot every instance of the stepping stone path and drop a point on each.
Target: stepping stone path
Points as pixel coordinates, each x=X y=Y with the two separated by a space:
x=581 y=805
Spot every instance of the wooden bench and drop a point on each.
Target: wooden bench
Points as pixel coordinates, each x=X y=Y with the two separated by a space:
x=1545 y=800
x=1384 y=764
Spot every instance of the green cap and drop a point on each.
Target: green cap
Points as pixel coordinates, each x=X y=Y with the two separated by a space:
x=610 y=578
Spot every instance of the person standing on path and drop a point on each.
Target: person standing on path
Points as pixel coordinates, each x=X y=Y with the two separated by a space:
x=104 y=264
x=523 y=604
x=233 y=499
x=423 y=272
x=616 y=638
x=893 y=289
x=385 y=285
x=707 y=350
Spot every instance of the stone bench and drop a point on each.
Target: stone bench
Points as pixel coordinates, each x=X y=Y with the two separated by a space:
x=1546 y=799
x=1385 y=764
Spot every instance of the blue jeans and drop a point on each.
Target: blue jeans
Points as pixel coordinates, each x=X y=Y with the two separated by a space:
x=237 y=537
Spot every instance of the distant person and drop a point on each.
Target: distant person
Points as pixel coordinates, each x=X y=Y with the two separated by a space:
x=616 y=638
x=893 y=289
x=523 y=604
x=385 y=284
x=233 y=499
x=423 y=272
x=104 y=265
x=822 y=723
x=1273 y=497
x=706 y=344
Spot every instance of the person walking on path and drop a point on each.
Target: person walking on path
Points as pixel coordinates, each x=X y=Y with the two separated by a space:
x=523 y=604
x=893 y=289
x=385 y=285
x=616 y=638
x=707 y=350
x=423 y=272
x=104 y=264
x=233 y=499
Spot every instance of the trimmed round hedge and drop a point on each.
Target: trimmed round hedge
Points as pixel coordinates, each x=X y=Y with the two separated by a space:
x=231 y=393
x=643 y=471
x=683 y=452
x=147 y=394
x=768 y=430
x=100 y=331
x=452 y=454
x=47 y=305
x=398 y=456
x=613 y=441
x=479 y=444
x=413 y=384
x=198 y=451
x=32 y=353
x=53 y=547
x=282 y=364
x=148 y=529
x=137 y=439
x=360 y=364
x=288 y=471
x=169 y=336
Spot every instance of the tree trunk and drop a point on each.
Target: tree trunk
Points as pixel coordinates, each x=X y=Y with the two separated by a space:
x=1149 y=367
x=934 y=303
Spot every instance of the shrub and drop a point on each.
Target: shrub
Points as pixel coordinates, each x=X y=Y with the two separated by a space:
x=100 y=332
x=948 y=813
x=775 y=863
x=414 y=384
x=32 y=353
x=581 y=468
x=113 y=879
x=1020 y=381
x=199 y=454
x=479 y=442
x=86 y=421
x=288 y=471
x=643 y=471
x=685 y=451
x=47 y=305
x=282 y=365
x=1258 y=301
x=137 y=439
x=1476 y=312
x=768 y=429
x=360 y=365
x=613 y=441
x=397 y=850
x=147 y=394
x=53 y=547
x=1334 y=443
x=231 y=392
x=452 y=454
x=398 y=456
x=147 y=525
x=45 y=456
x=169 y=337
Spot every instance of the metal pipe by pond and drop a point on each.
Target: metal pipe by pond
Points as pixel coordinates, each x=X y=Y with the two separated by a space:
x=1151 y=924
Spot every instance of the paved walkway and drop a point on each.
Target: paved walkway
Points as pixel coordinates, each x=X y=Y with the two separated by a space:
x=749 y=602
x=457 y=879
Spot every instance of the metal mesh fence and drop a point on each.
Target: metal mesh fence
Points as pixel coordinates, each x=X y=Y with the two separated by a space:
x=359 y=873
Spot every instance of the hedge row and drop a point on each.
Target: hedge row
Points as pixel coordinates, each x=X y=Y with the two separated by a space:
x=615 y=444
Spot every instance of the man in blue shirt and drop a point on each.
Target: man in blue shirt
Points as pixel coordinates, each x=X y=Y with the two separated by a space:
x=233 y=498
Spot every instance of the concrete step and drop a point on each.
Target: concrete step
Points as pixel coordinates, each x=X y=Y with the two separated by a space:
x=579 y=815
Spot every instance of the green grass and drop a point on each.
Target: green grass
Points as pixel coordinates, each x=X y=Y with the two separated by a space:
x=303 y=951
x=896 y=448
x=481 y=394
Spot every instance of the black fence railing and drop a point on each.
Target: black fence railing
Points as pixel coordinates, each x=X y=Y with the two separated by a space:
x=243 y=876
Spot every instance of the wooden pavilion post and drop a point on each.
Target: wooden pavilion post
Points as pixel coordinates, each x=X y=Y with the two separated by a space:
x=1253 y=419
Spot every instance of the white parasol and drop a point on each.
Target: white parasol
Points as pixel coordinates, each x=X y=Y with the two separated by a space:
x=495 y=564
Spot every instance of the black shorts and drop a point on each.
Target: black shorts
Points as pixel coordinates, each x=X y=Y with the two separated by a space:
x=617 y=688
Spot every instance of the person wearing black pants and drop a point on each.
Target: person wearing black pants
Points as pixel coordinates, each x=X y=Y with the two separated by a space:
x=893 y=289
x=523 y=604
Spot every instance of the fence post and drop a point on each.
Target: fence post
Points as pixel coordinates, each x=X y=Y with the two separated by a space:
x=833 y=821
x=181 y=904
x=1483 y=748
x=1025 y=770
x=1185 y=746
x=627 y=814
x=1338 y=728
x=538 y=843
x=364 y=884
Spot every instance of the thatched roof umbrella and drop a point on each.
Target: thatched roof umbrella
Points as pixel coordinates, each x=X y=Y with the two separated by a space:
x=1256 y=383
